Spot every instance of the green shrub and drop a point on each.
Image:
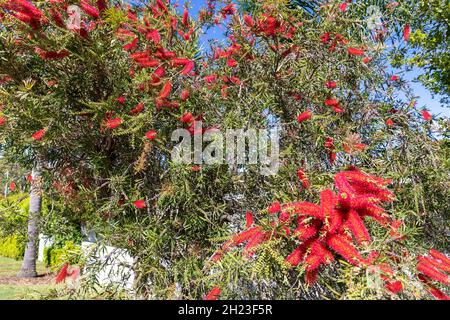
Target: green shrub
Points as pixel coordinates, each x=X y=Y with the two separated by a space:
x=55 y=256
x=12 y=247
x=14 y=214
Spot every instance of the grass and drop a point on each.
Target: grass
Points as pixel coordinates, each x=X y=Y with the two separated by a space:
x=13 y=288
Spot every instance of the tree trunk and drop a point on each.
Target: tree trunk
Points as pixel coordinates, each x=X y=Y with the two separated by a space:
x=28 y=269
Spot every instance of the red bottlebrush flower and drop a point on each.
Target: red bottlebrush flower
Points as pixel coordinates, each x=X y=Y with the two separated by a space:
x=394 y=287
x=313 y=262
x=159 y=73
x=303 y=178
x=440 y=256
x=184 y=95
x=304 y=116
x=196 y=168
x=284 y=217
x=431 y=272
x=213 y=294
x=140 y=204
x=154 y=36
x=137 y=109
x=131 y=16
x=57 y=17
x=389 y=122
x=438 y=294
x=151 y=135
x=210 y=79
x=121 y=100
x=62 y=275
x=248 y=20
x=248 y=219
x=187 y=118
x=228 y=10
x=319 y=250
x=224 y=91
x=406 y=32
x=343 y=246
x=89 y=10
x=12 y=186
x=165 y=54
x=343 y=7
x=426 y=115
x=101 y=5
x=333 y=218
x=311 y=276
x=231 y=63
x=326 y=37
x=356 y=52
x=161 y=6
x=148 y=63
x=139 y=55
x=165 y=91
x=30 y=178
x=180 y=61
x=51 y=55
x=357 y=227
x=113 y=123
x=245 y=235
x=38 y=135
x=394 y=78
x=185 y=18
x=331 y=84
x=32 y=21
x=340 y=181
x=27 y=8
x=253 y=243
x=331 y=102
x=274 y=208
x=366 y=60
x=132 y=45
x=304 y=232
x=338 y=109
x=297 y=255
x=367 y=189
x=235 y=80
x=2 y=121
x=188 y=67
x=435 y=263
x=304 y=209
x=329 y=143
x=375 y=212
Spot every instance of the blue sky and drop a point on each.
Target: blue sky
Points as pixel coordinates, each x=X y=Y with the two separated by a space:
x=426 y=99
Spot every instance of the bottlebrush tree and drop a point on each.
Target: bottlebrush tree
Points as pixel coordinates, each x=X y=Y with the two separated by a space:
x=98 y=104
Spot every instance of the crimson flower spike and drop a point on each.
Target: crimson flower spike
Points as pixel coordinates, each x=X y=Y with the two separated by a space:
x=333 y=218
x=431 y=272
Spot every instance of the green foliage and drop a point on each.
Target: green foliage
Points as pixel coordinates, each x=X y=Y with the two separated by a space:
x=55 y=257
x=96 y=173
x=12 y=247
x=429 y=47
x=14 y=214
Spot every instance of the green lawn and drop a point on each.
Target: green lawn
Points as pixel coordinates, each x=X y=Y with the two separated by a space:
x=13 y=288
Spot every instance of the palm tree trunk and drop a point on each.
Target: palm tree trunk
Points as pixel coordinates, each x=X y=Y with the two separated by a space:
x=28 y=269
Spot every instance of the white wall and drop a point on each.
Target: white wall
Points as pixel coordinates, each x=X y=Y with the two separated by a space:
x=44 y=242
